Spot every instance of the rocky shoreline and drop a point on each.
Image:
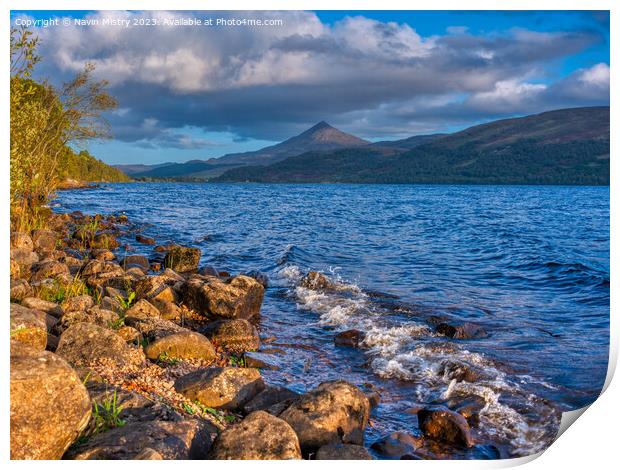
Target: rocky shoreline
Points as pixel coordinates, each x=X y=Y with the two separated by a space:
x=117 y=356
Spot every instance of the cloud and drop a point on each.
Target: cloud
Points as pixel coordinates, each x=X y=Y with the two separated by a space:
x=371 y=77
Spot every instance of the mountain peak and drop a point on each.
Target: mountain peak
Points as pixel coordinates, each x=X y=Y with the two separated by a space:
x=319 y=126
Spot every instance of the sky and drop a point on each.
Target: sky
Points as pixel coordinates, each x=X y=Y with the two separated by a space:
x=203 y=91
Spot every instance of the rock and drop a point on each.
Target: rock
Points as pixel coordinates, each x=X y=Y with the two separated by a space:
x=240 y=297
x=236 y=336
x=44 y=240
x=148 y=454
x=155 y=287
x=95 y=315
x=84 y=344
x=350 y=338
x=167 y=309
x=52 y=342
x=441 y=424
x=131 y=406
x=182 y=345
x=451 y=370
x=44 y=305
x=259 y=361
x=108 y=303
x=333 y=412
x=316 y=281
x=135 y=261
x=104 y=240
x=48 y=269
x=22 y=241
x=49 y=405
x=28 y=326
x=343 y=452
x=272 y=395
x=172 y=440
x=164 y=248
x=374 y=398
x=145 y=240
x=142 y=309
x=20 y=289
x=397 y=444
x=24 y=257
x=259 y=277
x=464 y=331
x=226 y=388
x=102 y=255
x=97 y=267
x=182 y=259
x=209 y=271
x=260 y=436
x=77 y=303
x=129 y=334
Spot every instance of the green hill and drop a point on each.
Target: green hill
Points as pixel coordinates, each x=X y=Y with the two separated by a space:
x=568 y=146
x=84 y=167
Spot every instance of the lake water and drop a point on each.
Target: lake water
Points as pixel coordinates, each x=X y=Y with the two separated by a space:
x=528 y=263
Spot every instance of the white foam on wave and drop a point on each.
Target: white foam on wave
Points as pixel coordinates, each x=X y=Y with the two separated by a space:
x=412 y=352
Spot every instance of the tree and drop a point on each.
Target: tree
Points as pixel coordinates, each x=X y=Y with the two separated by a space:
x=45 y=121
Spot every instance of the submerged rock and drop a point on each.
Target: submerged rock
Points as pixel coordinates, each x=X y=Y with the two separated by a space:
x=235 y=336
x=343 y=452
x=145 y=240
x=49 y=405
x=464 y=331
x=333 y=412
x=316 y=281
x=227 y=388
x=444 y=425
x=350 y=338
x=182 y=259
x=239 y=297
x=397 y=444
x=260 y=436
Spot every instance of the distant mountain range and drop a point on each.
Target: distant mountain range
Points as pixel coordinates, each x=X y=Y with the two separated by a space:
x=567 y=146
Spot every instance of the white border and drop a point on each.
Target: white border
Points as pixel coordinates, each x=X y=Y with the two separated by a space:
x=592 y=443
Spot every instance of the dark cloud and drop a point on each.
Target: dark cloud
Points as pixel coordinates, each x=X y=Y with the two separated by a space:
x=375 y=79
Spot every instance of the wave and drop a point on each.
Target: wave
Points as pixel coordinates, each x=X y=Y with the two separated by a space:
x=441 y=370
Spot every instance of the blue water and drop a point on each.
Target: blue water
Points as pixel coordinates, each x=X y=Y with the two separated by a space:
x=528 y=263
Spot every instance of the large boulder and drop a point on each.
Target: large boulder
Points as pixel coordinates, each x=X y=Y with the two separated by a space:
x=172 y=440
x=182 y=259
x=29 y=326
x=236 y=336
x=226 y=388
x=260 y=436
x=441 y=424
x=168 y=340
x=334 y=412
x=182 y=345
x=85 y=344
x=239 y=297
x=343 y=452
x=49 y=405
